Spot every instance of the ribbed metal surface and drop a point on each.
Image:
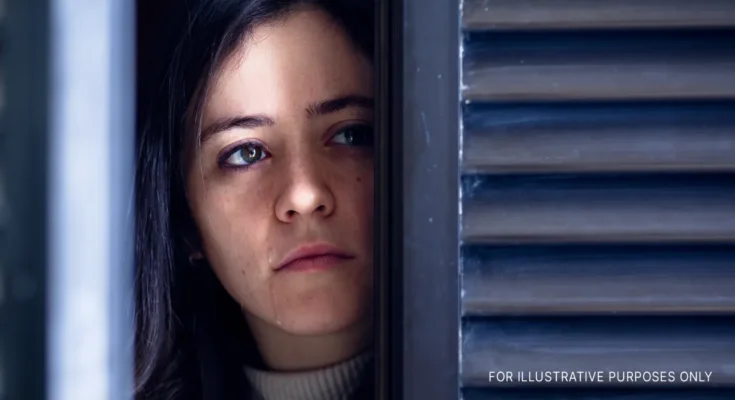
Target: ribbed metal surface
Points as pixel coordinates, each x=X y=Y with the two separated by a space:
x=599 y=137
x=599 y=208
x=598 y=195
x=601 y=394
x=598 y=280
x=518 y=15
x=604 y=66
x=597 y=344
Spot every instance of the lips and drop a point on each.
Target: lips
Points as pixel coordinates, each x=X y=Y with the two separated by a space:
x=314 y=256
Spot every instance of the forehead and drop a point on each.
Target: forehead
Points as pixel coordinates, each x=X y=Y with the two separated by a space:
x=287 y=64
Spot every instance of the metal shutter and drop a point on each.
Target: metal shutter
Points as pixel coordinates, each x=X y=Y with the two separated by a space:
x=598 y=199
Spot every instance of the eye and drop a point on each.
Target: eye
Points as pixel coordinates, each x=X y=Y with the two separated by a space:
x=244 y=155
x=354 y=135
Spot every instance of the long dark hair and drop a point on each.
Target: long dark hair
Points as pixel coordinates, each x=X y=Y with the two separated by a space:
x=191 y=340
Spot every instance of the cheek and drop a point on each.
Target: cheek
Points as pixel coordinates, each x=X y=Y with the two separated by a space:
x=357 y=198
x=232 y=215
x=356 y=168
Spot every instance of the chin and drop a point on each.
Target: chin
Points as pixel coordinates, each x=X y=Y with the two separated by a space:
x=324 y=313
x=324 y=319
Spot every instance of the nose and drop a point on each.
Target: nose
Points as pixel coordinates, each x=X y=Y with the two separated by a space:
x=307 y=195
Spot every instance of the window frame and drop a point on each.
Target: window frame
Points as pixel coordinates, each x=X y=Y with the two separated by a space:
x=70 y=79
x=418 y=200
x=26 y=54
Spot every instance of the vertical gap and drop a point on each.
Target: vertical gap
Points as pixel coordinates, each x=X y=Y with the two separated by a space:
x=388 y=199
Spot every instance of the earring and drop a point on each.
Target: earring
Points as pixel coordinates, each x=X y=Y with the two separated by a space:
x=194 y=257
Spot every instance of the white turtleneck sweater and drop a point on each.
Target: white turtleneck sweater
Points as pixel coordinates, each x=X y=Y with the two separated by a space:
x=337 y=382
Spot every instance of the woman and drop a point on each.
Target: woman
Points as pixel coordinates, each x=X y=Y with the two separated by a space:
x=254 y=201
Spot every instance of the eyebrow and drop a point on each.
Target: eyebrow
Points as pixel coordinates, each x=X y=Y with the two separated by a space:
x=312 y=111
x=338 y=104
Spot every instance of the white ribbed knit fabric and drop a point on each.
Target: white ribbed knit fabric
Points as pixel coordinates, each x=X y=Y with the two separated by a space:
x=337 y=382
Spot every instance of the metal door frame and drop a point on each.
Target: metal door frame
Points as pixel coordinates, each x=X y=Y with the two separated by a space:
x=418 y=199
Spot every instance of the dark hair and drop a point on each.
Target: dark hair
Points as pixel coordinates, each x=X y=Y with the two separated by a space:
x=189 y=332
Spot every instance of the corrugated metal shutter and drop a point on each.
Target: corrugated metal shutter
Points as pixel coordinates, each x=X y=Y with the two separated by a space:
x=598 y=199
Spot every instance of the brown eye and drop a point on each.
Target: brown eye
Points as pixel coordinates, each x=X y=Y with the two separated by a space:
x=245 y=155
x=355 y=135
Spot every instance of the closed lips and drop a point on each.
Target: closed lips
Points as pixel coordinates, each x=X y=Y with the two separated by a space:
x=314 y=252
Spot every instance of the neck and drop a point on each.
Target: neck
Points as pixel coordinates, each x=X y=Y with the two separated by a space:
x=283 y=351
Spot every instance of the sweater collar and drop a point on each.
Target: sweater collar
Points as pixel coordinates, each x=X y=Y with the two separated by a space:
x=337 y=382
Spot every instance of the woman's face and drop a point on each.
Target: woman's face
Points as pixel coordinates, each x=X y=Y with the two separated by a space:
x=285 y=172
